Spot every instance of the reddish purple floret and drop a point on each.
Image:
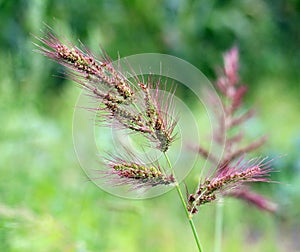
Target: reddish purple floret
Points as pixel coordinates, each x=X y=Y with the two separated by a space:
x=226 y=179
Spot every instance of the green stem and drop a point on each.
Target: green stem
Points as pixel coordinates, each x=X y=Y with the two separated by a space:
x=188 y=215
x=219 y=226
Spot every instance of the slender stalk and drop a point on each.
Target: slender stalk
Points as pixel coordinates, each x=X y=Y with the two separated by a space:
x=219 y=226
x=188 y=215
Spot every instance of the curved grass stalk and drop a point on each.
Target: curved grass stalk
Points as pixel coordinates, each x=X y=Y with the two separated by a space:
x=219 y=226
x=188 y=215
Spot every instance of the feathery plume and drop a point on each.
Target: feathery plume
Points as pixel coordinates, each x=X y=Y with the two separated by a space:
x=136 y=174
x=232 y=94
x=114 y=91
x=231 y=177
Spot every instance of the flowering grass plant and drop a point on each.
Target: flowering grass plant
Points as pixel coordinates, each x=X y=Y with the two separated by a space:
x=138 y=106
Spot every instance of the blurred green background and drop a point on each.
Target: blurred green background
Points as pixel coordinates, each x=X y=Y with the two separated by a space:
x=46 y=202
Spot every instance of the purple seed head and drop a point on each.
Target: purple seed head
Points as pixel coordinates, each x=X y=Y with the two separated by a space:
x=115 y=93
x=232 y=176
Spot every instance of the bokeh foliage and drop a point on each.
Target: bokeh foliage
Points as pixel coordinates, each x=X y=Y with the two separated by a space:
x=46 y=202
